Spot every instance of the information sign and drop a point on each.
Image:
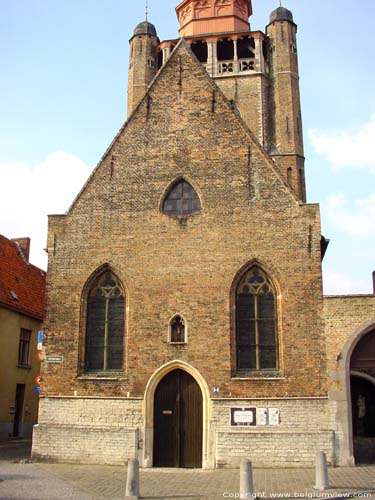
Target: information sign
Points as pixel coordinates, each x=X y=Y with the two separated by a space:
x=262 y=416
x=40 y=336
x=55 y=359
x=243 y=417
x=274 y=416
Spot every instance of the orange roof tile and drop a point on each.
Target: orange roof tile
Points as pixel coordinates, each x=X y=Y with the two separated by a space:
x=22 y=285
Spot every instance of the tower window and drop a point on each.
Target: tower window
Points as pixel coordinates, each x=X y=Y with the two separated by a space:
x=256 y=330
x=181 y=199
x=105 y=324
x=200 y=49
x=177 y=330
x=225 y=50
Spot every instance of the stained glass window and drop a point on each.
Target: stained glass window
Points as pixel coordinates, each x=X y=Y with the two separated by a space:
x=181 y=199
x=105 y=324
x=256 y=325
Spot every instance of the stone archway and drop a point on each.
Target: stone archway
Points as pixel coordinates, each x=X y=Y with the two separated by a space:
x=148 y=411
x=362 y=393
x=343 y=397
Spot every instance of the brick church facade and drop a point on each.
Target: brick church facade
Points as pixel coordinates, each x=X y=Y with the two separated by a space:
x=184 y=289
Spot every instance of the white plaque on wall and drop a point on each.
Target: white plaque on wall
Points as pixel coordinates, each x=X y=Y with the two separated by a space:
x=274 y=416
x=262 y=416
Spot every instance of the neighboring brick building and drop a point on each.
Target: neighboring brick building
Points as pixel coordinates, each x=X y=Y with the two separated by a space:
x=185 y=286
x=22 y=295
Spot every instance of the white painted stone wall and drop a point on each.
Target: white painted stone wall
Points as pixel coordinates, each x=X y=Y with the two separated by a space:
x=110 y=431
x=306 y=427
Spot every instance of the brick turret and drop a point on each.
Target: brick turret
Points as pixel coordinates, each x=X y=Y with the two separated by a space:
x=143 y=62
x=286 y=129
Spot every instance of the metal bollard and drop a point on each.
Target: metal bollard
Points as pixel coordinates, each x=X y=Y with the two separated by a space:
x=246 y=480
x=322 y=482
x=132 y=480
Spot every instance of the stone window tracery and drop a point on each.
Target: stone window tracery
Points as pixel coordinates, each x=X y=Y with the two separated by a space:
x=181 y=199
x=105 y=324
x=256 y=323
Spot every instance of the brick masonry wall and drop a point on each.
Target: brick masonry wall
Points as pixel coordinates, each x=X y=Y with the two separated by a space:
x=343 y=315
x=248 y=213
x=251 y=94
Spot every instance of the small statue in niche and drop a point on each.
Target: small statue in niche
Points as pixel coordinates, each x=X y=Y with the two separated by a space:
x=361 y=405
x=177 y=330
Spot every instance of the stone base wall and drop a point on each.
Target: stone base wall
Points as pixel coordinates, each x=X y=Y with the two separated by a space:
x=306 y=427
x=88 y=430
x=84 y=444
x=111 y=431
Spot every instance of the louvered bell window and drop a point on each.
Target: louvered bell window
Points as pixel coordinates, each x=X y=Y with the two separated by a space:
x=105 y=325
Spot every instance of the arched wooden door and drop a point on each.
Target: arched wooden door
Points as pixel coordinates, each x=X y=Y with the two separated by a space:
x=178 y=421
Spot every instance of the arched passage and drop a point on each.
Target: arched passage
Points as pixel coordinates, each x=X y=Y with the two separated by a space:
x=149 y=407
x=362 y=392
x=346 y=371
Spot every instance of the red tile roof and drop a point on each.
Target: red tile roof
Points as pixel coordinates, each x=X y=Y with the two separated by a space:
x=22 y=285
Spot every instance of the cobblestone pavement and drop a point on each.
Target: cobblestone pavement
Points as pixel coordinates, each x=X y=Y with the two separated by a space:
x=20 y=480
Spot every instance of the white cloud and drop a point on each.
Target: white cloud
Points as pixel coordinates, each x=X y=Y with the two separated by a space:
x=347 y=148
x=357 y=219
x=338 y=283
x=28 y=193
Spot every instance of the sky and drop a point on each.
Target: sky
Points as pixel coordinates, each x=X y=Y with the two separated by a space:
x=63 y=98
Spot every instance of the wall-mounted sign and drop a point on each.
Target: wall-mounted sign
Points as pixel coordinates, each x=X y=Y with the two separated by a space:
x=55 y=359
x=262 y=416
x=274 y=416
x=37 y=389
x=40 y=336
x=251 y=417
x=243 y=417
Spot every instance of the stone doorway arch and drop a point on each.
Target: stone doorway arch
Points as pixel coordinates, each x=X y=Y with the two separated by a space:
x=343 y=397
x=148 y=411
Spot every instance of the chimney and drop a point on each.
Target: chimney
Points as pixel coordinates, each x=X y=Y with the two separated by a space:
x=24 y=244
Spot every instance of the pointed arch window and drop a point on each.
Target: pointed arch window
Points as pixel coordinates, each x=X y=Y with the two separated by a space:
x=181 y=199
x=105 y=324
x=256 y=323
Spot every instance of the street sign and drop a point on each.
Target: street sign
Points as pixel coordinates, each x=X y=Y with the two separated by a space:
x=55 y=359
x=40 y=336
x=37 y=390
x=39 y=346
x=39 y=356
x=38 y=379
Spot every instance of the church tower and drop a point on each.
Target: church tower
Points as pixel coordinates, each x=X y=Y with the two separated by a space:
x=142 y=63
x=257 y=71
x=286 y=130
